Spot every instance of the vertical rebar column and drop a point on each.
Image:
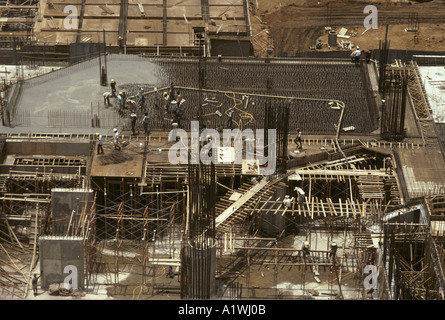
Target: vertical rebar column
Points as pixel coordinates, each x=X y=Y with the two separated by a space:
x=394 y=106
x=198 y=253
x=383 y=60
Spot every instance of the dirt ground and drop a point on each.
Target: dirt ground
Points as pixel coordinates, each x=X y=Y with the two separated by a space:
x=287 y=27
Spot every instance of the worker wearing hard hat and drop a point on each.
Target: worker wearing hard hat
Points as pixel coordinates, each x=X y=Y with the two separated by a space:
x=305 y=250
x=100 y=149
x=116 y=139
x=356 y=54
x=120 y=101
x=287 y=201
x=113 y=87
x=167 y=101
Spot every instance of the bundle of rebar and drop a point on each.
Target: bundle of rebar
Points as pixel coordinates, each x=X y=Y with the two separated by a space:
x=198 y=251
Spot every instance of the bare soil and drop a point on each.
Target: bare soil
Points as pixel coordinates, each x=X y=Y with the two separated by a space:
x=291 y=26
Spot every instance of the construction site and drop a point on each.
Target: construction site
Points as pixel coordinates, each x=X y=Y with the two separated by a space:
x=353 y=210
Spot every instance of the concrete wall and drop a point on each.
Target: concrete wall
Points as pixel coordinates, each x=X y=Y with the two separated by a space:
x=273 y=224
x=42 y=147
x=61 y=259
x=64 y=201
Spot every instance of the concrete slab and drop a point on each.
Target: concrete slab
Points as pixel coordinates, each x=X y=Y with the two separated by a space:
x=76 y=88
x=433 y=79
x=145 y=25
x=225 y=2
x=189 y=11
x=229 y=12
x=422 y=169
x=118 y=163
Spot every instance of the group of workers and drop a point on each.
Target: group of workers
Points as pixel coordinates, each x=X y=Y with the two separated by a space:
x=357 y=54
x=306 y=250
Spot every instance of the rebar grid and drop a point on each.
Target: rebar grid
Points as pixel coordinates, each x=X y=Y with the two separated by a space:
x=305 y=80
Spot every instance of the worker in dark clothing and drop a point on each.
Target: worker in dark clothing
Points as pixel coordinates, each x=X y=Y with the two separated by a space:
x=145 y=121
x=333 y=252
x=297 y=139
x=167 y=102
x=180 y=112
x=306 y=251
x=133 y=117
x=174 y=104
x=34 y=284
x=367 y=56
x=100 y=149
x=388 y=164
x=172 y=91
x=113 y=87
x=142 y=99
x=230 y=119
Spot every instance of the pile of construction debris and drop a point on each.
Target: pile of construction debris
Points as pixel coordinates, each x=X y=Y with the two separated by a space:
x=59 y=289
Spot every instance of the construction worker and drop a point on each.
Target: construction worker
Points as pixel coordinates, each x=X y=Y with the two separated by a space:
x=178 y=96
x=305 y=250
x=142 y=99
x=174 y=104
x=131 y=105
x=167 y=101
x=120 y=101
x=113 y=87
x=333 y=252
x=230 y=119
x=116 y=139
x=145 y=122
x=388 y=164
x=356 y=54
x=297 y=139
x=287 y=202
x=133 y=117
x=156 y=98
x=34 y=284
x=301 y=194
x=100 y=149
x=180 y=111
x=172 y=90
x=367 y=56
x=107 y=96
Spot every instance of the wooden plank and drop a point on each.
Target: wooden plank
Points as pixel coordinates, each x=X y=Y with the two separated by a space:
x=332 y=204
x=322 y=208
x=240 y=202
x=312 y=210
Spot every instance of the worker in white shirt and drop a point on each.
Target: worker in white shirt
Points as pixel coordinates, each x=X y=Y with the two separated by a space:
x=116 y=140
x=301 y=195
